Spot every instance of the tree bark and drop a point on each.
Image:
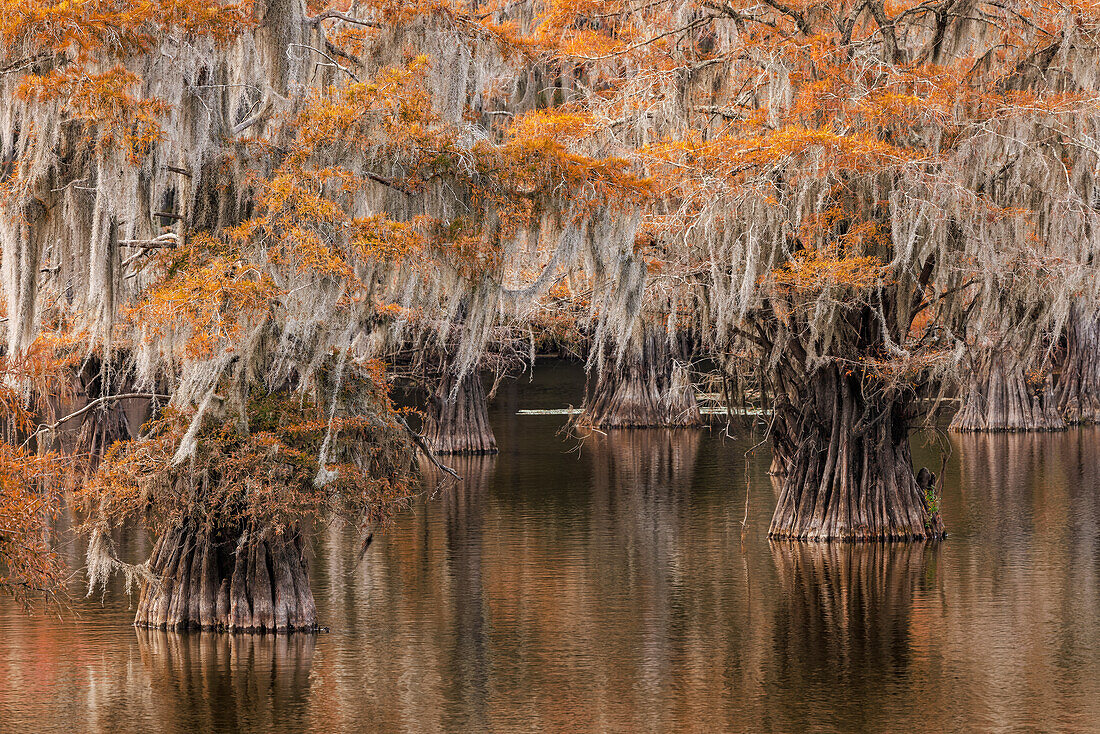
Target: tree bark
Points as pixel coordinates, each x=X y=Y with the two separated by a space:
x=458 y=420
x=649 y=388
x=780 y=461
x=1077 y=390
x=851 y=476
x=235 y=582
x=1000 y=398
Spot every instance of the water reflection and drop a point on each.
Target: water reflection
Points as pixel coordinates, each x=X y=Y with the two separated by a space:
x=641 y=481
x=463 y=511
x=1036 y=484
x=846 y=621
x=221 y=682
x=607 y=588
x=1030 y=581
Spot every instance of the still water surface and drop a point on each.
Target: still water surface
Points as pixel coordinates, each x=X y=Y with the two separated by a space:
x=608 y=589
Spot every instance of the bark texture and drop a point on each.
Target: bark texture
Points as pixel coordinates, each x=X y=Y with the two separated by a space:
x=1077 y=391
x=649 y=388
x=851 y=475
x=236 y=582
x=780 y=462
x=458 y=420
x=1000 y=398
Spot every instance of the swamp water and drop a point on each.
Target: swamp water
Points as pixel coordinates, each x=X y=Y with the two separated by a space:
x=608 y=589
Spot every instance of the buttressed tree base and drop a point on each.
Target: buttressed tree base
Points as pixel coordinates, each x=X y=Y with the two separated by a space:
x=247 y=219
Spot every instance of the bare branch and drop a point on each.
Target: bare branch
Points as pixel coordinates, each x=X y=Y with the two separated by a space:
x=337 y=15
x=95 y=404
x=259 y=116
x=332 y=62
x=423 y=446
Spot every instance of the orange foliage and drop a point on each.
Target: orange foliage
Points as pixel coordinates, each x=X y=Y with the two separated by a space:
x=210 y=290
x=635 y=124
x=29 y=478
x=816 y=271
x=116 y=27
x=264 y=472
x=28 y=501
x=103 y=102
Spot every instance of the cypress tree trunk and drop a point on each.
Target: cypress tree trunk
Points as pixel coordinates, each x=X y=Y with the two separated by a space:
x=780 y=461
x=648 y=389
x=245 y=581
x=1077 y=391
x=458 y=421
x=1000 y=398
x=851 y=476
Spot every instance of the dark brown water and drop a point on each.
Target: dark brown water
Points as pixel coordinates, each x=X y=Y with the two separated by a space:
x=609 y=590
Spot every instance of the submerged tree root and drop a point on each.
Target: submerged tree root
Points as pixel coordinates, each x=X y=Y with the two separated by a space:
x=251 y=583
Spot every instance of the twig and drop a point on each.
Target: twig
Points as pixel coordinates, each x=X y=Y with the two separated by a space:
x=423 y=446
x=388 y=182
x=265 y=107
x=177 y=169
x=337 y=15
x=750 y=452
x=332 y=61
x=94 y=404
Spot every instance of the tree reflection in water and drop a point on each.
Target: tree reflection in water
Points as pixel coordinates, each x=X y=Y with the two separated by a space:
x=463 y=511
x=612 y=589
x=214 y=681
x=1034 y=500
x=845 y=622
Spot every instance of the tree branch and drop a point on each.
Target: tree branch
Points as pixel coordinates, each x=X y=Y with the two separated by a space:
x=265 y=108
x=177 y=169
x=388 y=182
x=333 y=62
x=797 y=17
x=423 y=446
x=95 y=404
x=337 y=15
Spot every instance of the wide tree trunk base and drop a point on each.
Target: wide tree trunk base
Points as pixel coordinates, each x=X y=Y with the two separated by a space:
x=458 y=420
x=1003 y=400
x=1077 y=392
x=851 y=479
x=242 y=582
x=635 y=402
x=650 y=389
x=778 y=467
